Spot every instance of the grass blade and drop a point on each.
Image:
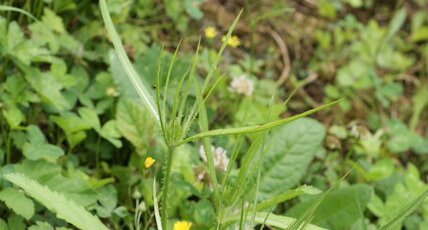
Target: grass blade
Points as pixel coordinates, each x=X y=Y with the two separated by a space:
x=141 y=89
x=14 y=9
x=405 y=212
x=257 y=128
x=156 y=207
x=282 y=222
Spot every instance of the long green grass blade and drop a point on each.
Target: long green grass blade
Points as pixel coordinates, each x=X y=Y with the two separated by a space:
x=290 y=194
x=282 y=222
x=141 y=89
x=257 y=128
x=156 y=207
x=11 y=8
x=405 y=212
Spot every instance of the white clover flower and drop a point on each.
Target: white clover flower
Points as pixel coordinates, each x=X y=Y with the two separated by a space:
x=242 y=85
x=221 y=160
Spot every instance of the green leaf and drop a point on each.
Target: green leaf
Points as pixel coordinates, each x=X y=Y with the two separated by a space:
x=290 y=149
x=18 y=202
x=53 y=21
x=396 y=23
x=73 y=126
x=270 y=219
x=287 y=195
x=41 y=226
x=340 y=209
x=45 y=85
x=258 y=128
x=73 y=186
x=191 y=8
x=56 y=202
x=36 y=148
x=91 y=117
x=13 y=117
x=403 y=213
x=110 y=132
x=133 y=124
x=16 y=222
x=141 y=89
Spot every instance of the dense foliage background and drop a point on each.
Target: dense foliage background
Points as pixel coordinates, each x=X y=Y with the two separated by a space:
x=72 y=122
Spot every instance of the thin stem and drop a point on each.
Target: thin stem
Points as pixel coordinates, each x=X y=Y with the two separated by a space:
x=97 y=153
x=8 y=142
x=165 y=188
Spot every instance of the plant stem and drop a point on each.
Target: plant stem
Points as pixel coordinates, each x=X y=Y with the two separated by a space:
x=97 y=153
x=8 y=142
x=165 y=188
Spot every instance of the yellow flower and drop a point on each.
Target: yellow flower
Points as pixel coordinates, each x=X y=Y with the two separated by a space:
x=233 y=41
x=149 y=162
x=182 y=225
x=210 y=32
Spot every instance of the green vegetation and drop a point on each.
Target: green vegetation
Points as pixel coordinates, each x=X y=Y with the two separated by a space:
x=213 y=114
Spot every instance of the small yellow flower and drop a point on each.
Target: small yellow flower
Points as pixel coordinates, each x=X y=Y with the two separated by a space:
x=182 y=225
x=210 y=32
x=149 y=162
x=112 y=92
x=233 y=41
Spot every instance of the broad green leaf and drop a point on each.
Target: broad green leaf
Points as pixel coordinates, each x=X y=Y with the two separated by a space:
x=3 y=225
x=340 y=209
x=41 y=226
x=53 y=21
x=73 y=186
x=45 y=85
x=281 y=222
x=73 y=126
x=56 y=202
x=36 y=148
x=18 y=202
x=290 y=149
x=133 y=124
x=16 y=222
x=91 y=117
x=13 y=117
x=110 y=132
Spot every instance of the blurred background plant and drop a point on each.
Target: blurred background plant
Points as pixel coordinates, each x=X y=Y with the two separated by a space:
x=72 y=124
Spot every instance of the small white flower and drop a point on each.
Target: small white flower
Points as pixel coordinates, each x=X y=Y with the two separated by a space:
x=242 y=85
x=221 y=160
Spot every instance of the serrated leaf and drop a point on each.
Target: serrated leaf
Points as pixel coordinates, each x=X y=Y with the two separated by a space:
x=132 y=123
x=36 y=148
x=18 y=202
x=290 y=149
x=53 y=21
x=73 y=126
x=340 y=209
x=44 y=84
x=91 y=117
x=111 y=133
x=57 y=203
